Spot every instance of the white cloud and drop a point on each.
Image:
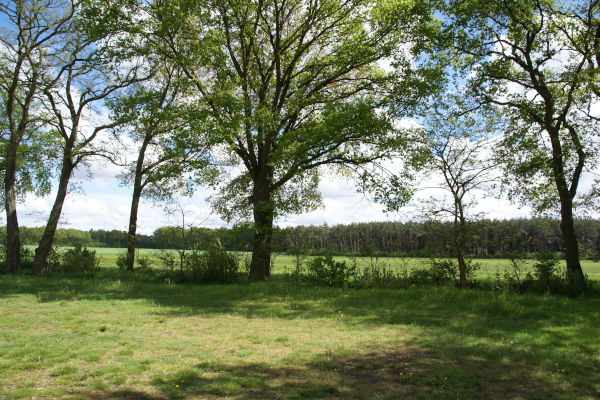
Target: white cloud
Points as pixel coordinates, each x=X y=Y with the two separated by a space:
x=104 y=205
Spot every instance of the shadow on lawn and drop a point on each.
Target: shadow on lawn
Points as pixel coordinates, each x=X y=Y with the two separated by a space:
x=410 y=373
x=467 y=351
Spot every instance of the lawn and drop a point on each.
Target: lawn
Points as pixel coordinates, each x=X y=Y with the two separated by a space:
x=117 y=338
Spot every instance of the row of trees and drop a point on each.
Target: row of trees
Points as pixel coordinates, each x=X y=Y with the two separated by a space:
x=487 y=238
x=260 y=98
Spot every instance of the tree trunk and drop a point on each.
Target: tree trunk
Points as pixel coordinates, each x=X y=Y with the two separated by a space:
x=40 y=261
x=260 y=266
x=13 y=244
x=575 y=277
x=461 y=227
x=135 y=202
x=462 y=266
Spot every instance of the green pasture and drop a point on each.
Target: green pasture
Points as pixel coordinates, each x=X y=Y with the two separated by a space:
x=117 y=338
x=287 y=263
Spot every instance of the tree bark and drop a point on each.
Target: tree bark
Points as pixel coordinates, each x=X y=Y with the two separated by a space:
x=575 y=277
x=135 y=202
x=260 y=265
x=460 y=245
x=13 y=244
x=40 y=261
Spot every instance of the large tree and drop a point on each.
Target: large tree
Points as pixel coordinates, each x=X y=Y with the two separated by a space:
x=171 y=139
x=98 y=57
x=291 y=86
x=29 y=35
x=537 y=60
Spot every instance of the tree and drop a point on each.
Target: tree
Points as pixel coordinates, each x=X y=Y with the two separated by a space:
x=461 y=151
x=98 y=58
x=291 y=87
x=35 y=155
x=29 y=34
x=537 y=60
x=172 y=155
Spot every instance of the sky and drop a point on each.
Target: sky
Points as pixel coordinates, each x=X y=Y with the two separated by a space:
x=100 y=202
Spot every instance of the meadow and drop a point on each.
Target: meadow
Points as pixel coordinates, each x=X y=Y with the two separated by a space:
x=116 y=337
x=285 y=263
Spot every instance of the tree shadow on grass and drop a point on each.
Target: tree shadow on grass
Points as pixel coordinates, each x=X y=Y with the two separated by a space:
x=408 y=373
x=120 y=394
x=467 y=330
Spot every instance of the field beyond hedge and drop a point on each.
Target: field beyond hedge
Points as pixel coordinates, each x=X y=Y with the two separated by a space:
x=117 y=338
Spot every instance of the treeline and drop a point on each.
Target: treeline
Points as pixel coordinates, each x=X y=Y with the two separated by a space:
x=489 y=238
x=91 y=238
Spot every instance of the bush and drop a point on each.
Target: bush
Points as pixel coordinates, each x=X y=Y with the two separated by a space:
x=419 y=276
x=514 y=279
x=81 y=261
x=215 y=265
x=53 y=259
x=380 y=276
x=324 y=270
x=122 y=261
x=143 y=263
x=439 y=272
x=547 y=276
x=443 y=271
x=546 y=271
x=26 y=258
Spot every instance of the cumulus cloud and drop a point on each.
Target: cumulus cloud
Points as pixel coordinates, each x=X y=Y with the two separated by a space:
x=104 y=204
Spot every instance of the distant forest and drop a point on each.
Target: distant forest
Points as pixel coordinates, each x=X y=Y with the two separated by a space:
x=490 y=238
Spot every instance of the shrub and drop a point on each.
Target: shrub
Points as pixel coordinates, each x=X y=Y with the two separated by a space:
x=514 y=279
x=380 y=276
x=419 y=276
x=167 y=259
x=26 y=258
x=215 y=265
x=472 y=268
x=53 y=259
x=440 y=272
x=547 y=273
x=143 y=263
x=122 y=261
x=324 y=270
x=443 y=271
x=81 y=261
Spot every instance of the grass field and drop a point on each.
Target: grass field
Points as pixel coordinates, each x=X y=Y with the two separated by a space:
x=116 y=338
x=286 y=263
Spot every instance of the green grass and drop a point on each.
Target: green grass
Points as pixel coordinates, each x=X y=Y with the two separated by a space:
x=286 y=263
x=115 y=338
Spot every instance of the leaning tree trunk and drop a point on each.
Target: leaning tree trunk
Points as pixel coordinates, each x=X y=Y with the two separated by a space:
x=40 y=261
x=260 y=266
x=135 y=202
x=13 y=244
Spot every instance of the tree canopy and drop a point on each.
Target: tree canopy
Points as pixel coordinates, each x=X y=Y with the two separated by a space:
x=291 y=86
